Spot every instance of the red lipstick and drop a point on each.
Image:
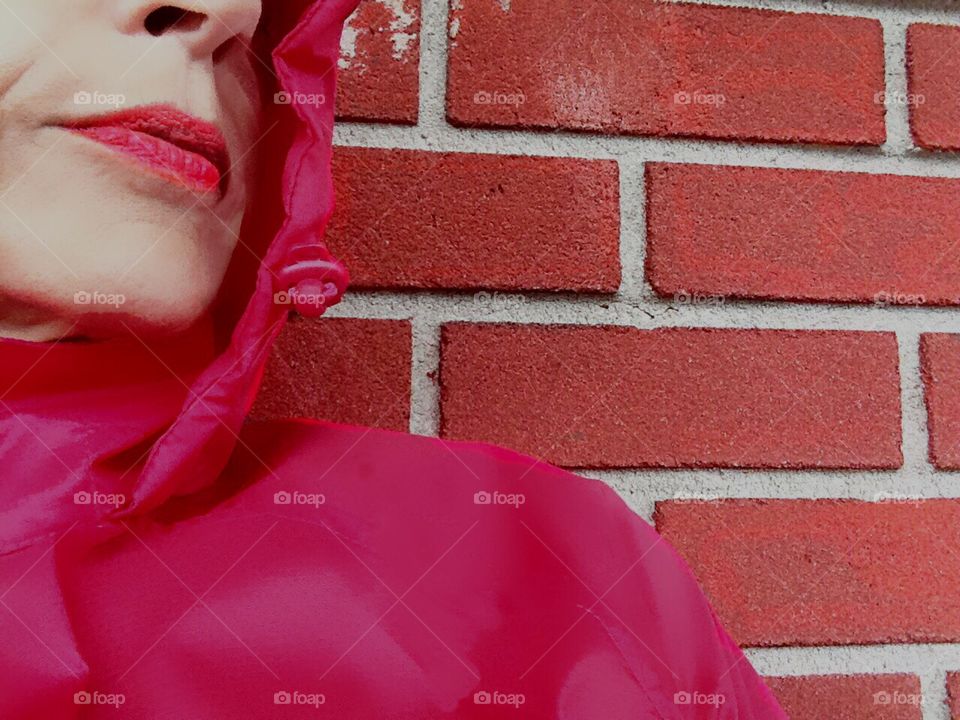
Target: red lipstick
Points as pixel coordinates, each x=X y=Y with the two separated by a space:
x=171 y=143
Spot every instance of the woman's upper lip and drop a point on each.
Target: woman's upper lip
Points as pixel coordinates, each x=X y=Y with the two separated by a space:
x=169 y=124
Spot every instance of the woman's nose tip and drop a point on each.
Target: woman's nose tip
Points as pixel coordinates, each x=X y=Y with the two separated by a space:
x=203 y=25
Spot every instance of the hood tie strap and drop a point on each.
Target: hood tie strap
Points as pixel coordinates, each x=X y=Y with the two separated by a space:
x=311 y=280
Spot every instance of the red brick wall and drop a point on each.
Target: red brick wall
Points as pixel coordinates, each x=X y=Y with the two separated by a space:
x=707 y=254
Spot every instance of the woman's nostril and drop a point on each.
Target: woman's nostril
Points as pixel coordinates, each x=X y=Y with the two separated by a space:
x=169 y=17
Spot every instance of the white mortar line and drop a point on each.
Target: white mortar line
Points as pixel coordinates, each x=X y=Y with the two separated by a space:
x=933 y=687
x=642 y=489
x=424 y=389
x=929 y=11
x=899 y=140
x=593 y=309
x=535 y=143
x=633 y=232
x=914 y=411
x=433 y=61
x=911 y=658
x=714 y=483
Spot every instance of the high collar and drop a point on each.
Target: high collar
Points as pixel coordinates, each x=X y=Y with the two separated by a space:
x=78 y=421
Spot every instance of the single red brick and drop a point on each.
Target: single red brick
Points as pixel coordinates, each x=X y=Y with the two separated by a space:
x=940 y=368
x=655 y=68
x=953 y=694
x=379 y=78
x=803 y=234
x=933 y=81
x=341 y=369
x=410 y=219
x=824 y=572
x=849 y=697
x=598 y=397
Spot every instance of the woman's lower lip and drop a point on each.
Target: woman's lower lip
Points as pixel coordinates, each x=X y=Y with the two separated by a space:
x=180 y=166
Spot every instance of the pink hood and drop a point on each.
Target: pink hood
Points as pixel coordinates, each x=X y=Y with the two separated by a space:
x=151 y=420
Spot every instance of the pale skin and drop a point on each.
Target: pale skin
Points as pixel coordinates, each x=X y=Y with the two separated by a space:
x=78 y=217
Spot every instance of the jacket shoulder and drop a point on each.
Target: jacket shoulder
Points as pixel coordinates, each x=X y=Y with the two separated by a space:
x=525 y=550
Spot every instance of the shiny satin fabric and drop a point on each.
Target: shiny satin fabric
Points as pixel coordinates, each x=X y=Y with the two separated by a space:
x=160 y=559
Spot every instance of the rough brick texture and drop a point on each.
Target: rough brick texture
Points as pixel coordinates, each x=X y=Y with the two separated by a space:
x=411 y=219
x=823 y=572
x=350 y=371
x=803 y=234
x=615 y=396
x=380 y=63
x=940 y=367
x=953 y=694
x=849 y=697
x=666 y=69
x=933 y=76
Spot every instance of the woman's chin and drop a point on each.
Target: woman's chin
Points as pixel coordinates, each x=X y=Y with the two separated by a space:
x=104 y=315
x=144 y=317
